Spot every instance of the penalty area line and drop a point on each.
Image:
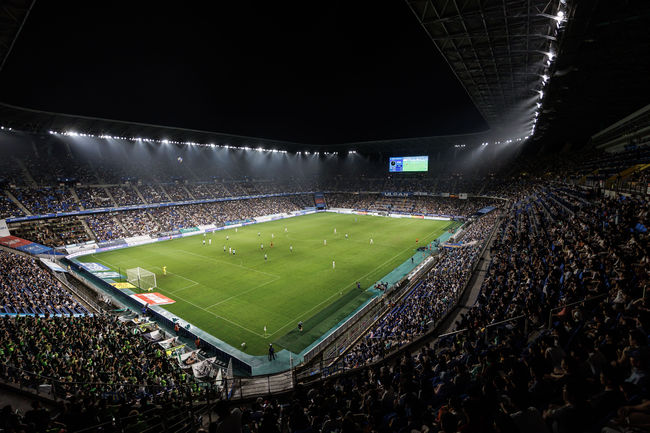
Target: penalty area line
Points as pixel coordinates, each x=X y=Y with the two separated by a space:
x=219 y=317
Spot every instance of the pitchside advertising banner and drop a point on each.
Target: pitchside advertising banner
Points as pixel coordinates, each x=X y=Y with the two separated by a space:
x=152 y=298
x=24 y=245
x=396 y=194
x=91 y=248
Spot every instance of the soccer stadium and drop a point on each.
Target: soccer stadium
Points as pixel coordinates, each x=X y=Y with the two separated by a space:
x=405 y=216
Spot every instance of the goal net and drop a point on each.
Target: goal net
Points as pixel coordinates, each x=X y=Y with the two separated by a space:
x=141 y=278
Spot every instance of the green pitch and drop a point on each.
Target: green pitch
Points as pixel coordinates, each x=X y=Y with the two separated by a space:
x=233 y=297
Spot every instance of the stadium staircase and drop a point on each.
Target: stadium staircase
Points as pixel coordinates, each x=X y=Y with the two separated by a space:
x=17 y=202
x=583 y=179
x=74 y=195
x=86 y=227
x=625 y=174
x=164 y=191
x=28 y=176
x=108 y=193
x=139 y=194
x=119 y=223
x=189 y=194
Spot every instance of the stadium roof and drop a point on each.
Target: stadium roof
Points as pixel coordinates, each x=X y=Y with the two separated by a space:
x=502 y=51
x=590 y=59
x=43 y=122
x=13 y=15
x=602 y=71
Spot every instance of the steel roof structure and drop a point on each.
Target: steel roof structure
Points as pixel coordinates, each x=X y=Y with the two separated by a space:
x=502 y=51
x=13 y=14
x=562 y=68
x=44 y=122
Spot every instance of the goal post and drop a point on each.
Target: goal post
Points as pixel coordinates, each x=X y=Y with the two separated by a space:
x=141 y=278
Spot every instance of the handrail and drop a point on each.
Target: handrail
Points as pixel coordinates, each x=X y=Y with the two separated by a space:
x=562 y=307
x=333 y=361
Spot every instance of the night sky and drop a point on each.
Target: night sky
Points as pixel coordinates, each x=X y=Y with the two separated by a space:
x=308 y=71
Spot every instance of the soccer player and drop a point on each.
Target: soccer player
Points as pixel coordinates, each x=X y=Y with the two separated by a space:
x=210 y=241
x=261 y=246
x=371 y=241
x=224 y=248
x=271 y=244
x=265 y=257
x=334 y=230
x=291 y=248
x=300 y=326
x=234 y=252
x=229 y=250
x=272 y=235
x=285 y=229
x=258 y=234
x=164 y=270
x=346 y=236
x=227 y=237
x=324 y=241
x=203 y=241
x=333 y=264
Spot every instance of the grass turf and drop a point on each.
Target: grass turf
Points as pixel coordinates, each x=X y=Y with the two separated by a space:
x=233 y=297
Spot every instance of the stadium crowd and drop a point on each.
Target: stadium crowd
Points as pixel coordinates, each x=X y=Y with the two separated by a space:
x=52 y=231
x=427 y=303
x=8 y=208
x=153 y=193
x=557 y=340
x=26 y=288
x=124 y=195
x=97 y=364
x=585 y=371
x=93 y=197
x=105 y=226
x=46 y=200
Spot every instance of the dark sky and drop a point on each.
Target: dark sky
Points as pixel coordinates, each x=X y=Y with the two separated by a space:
x=308 y=71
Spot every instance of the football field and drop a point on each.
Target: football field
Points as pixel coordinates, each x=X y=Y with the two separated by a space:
x=234 y=297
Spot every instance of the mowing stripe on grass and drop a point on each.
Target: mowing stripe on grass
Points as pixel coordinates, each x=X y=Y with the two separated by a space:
x=243 y=293
x=228 y=263
x=356 y=279
x=231 y=302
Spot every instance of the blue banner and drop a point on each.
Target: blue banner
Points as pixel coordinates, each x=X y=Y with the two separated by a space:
x=35 y=249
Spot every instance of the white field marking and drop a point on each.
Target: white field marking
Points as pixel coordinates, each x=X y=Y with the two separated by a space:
x=194 y=283
x=243 y=293
x=356 y=240
x=335 y=294
x=105 y=262
x=200 y=308
x=219 y=317
x=231 y=264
